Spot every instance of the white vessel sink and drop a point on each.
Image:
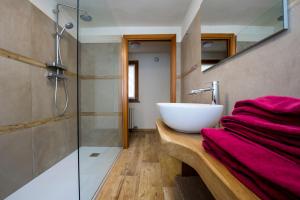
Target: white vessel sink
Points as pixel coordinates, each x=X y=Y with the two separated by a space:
x=190 y=118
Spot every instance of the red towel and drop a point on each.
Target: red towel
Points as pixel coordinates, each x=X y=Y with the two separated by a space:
x=278 y=145
x=268 y=174
x=288 y=106
x=271 y=121
x=276 y=118
x=280 y=132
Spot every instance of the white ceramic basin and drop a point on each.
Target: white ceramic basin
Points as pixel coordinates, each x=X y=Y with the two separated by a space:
x=190 y=118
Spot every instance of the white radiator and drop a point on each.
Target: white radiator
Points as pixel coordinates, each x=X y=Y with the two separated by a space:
x=131 y=118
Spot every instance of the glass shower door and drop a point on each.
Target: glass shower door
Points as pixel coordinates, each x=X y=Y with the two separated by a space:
x=99 y=99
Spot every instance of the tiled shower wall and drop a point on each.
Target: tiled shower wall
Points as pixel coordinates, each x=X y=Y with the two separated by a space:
x=272 y=68
x=32 y=137
x=100 y=94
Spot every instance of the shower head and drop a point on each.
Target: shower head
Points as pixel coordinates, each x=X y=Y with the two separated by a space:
x=67 y=26
x=86 y=17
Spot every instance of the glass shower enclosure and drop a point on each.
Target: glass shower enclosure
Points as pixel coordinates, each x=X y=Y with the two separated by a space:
x=60 y=122
x=99 y=98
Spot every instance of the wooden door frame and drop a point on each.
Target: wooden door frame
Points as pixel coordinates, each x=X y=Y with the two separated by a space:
x=125 y=43
x=230 y=37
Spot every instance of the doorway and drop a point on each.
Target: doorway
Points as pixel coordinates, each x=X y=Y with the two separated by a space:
x=125 y=70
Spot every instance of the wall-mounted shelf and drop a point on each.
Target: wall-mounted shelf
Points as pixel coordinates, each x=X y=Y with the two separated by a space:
x=188 y=149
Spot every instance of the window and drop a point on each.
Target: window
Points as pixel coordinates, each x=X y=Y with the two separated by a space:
x=133 y=81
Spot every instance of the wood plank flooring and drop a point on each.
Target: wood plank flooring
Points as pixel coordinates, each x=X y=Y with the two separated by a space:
x=137 y=172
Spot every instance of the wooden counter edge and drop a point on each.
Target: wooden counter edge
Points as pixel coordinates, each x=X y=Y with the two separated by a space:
x=188 y=148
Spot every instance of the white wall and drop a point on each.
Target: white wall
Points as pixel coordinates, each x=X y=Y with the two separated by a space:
x=154 y=87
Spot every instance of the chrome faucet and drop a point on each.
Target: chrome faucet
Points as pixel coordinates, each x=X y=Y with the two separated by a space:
x=214 y=88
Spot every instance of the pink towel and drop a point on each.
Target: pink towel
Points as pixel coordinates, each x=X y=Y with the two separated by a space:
x=268 y=174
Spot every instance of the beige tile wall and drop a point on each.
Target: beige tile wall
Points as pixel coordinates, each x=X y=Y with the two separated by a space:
x=271 y=68
x=17 y=165
x=100 y=94
x=26 y=95
x=191 y=46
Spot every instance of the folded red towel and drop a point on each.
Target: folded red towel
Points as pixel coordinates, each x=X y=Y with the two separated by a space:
x=280 y=132
x=278 y=145
x=266 y=173
x=274 y=104
x=276 y=118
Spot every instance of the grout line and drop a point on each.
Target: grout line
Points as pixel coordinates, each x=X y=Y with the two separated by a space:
x=33 y=155
x=11 y=128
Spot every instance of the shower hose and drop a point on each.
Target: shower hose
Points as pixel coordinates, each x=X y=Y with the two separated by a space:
x=66 y=93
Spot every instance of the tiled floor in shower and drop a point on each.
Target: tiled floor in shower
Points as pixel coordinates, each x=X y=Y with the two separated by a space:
x=60 y=182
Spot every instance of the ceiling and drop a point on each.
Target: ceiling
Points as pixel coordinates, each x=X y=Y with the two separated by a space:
x=234 y=12
x=134 y=12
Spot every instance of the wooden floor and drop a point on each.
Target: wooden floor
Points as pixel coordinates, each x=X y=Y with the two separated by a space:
x=137 y=172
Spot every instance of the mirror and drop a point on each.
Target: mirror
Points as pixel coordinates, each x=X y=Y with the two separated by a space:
x=229 y=27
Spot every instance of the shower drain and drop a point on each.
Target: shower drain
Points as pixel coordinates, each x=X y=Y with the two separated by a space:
x=94 y=154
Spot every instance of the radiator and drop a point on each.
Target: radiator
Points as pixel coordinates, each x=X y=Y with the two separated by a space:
x=131 y=118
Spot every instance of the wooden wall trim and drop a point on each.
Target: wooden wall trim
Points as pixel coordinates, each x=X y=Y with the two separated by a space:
x=173 y=75
x=104 y=114
x=69 y=73
x=104 y=77
x=21 y=58
x=25 y=125
x=27 y=60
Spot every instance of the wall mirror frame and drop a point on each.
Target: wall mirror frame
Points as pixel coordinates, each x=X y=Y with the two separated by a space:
x=216 y=31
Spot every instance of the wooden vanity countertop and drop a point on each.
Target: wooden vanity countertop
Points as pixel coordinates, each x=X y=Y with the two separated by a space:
x=188 y=149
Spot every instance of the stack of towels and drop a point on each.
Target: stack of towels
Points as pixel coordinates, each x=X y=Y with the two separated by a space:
x=260 y=145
